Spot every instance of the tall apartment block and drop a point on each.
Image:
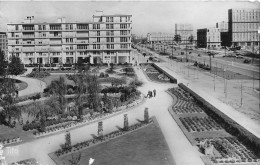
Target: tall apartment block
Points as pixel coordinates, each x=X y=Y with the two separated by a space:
x=242 y=27
x=3 y=42
x=213 y=38
x=107 y=39
x=185 y=31
x=160 y=37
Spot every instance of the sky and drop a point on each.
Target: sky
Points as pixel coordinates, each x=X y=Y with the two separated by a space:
x=147 y=16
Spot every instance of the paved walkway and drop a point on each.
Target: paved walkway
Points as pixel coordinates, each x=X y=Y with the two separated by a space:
x=179 y=146
x=34 y=85
x=247 y=114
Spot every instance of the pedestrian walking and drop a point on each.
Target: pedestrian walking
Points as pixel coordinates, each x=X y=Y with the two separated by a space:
x=154 y=93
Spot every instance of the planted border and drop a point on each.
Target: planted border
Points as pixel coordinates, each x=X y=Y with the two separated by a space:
x=227 y=123
x=172 y=79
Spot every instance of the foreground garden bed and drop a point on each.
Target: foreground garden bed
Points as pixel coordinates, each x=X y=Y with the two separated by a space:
x=144 y=146
x=201 y=126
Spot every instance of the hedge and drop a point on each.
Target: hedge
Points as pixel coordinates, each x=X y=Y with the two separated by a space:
x=172 y=79
x=229 y=124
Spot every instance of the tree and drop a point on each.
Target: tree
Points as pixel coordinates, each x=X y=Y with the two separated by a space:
x=15 y=66
x=7 y=100
x=126 y=124
x=177 y=38
x=68 y=141
x=190 y=38
x=3 y=63
x=93 y=89
x=146 y=115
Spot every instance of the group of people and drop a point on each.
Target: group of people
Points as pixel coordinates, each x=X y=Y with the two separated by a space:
x=151 y=93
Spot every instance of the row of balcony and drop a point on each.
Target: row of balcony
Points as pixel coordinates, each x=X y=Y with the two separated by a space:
x=102 y=28
x=71 y=36
x=60 y=50
x=69 y=43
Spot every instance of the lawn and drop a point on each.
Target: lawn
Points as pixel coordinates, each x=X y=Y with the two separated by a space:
x=145 y=146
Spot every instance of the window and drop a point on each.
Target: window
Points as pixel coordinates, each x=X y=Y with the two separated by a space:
x=67 y=53
x=123 y=39
x=98 y=46
x=71 y=47
x=123 y=26
x=123 y=46
x=108 y=46
x=98 y=33
x=17 y=41
x=98 y=39
x=123 y=32
x=107 y=26
x=111 y=26
x=71 y=53
x=44 y=34
x=94 y=46
x=83 y=26
x=16 y=27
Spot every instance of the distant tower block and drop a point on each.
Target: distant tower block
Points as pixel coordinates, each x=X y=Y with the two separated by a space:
x=100 y=129
x=126 y=125
x=146 y=115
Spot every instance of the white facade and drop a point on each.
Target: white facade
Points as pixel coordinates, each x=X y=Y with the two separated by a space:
x=185 y=31
x=160 y=37
x=106 y=39
x=213 y=38
x=243 y=26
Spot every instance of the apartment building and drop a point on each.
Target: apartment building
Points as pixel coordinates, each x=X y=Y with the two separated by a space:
x=107 y=39
x=213 y=38
x=202 y=38
x=185 y=31
x=3 y=42
x=160 y=38
x=242 y=27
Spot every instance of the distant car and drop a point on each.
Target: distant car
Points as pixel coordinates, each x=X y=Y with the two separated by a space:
x=239 y=56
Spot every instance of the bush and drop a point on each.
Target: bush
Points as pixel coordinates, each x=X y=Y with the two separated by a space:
x=38 y=74
x=106 y=75
x=70 y=91
x=102 y=75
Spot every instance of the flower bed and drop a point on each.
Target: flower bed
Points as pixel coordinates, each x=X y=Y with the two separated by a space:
x=27 y=162
x=195 y=124
x=10 y=140
x=89 y=143
x=231 y=151
x=86 y=119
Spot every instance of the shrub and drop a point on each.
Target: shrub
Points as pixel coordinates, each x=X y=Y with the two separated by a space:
x=102 y=75
x=106 y=75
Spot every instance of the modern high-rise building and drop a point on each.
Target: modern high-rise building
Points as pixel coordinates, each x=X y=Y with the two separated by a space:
x=3 y=42
x=202 y=38
x=242 y=27
x=107 y=39
x=213 y=38
x=185 y=31
x=160 y=37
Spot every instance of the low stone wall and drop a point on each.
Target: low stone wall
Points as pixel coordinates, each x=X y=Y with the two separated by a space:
x=234 y=128
x=172 y=79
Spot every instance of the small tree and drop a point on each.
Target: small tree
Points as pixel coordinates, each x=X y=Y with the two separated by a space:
x=146 y=115
x=100 y=129
x=111 y=67
x=3 y=63
x=191 y=38
x=177 y=38
x=68 y=141
x=15 y=66
x=126 y=124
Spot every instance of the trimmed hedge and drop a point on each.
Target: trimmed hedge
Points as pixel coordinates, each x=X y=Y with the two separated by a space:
x=172 y=79
x=226 y=122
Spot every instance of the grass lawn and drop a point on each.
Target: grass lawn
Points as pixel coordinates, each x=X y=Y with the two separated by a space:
x=21 y=86
x=145 y=146
x=50 y=78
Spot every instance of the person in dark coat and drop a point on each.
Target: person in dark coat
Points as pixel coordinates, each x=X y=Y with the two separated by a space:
x=154 y=92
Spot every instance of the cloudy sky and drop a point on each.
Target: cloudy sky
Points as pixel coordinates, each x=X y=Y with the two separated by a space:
x=147 y=16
